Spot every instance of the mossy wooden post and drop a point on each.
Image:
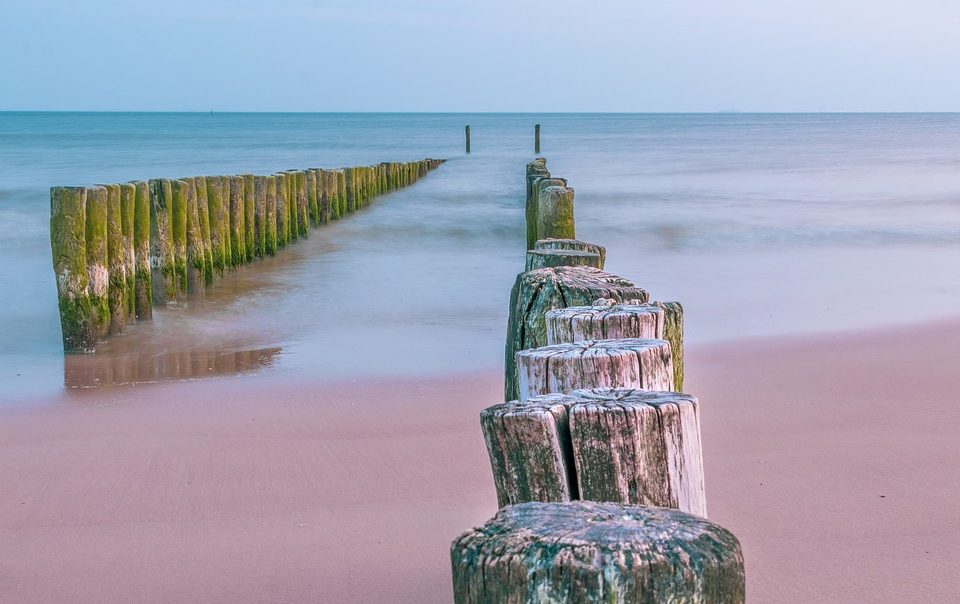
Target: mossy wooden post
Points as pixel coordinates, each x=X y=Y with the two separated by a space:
x=196 y=251
x=587 y=551
x=342 y=191
x=324 y=195
x=98 y=273
x=270 y=216
x=536 y=138
x=128 y=201
x=248 y=217
x=283 y=210
x=538 y=291
x=626 y=363
x=605 y=322
x=142 y=250
x=68 y=242
x=303 y=204
x=238 y=237
x=552 y=258
x=162 y=263
x=182 y=190
x=673 y=333
x=535 y=170
x=574 y=245
x=348 y=178
x=225 y=234
x=116 y=262
x=203 y=217
x=259 y=216
x=312 y=204
x=466 y=134
x=555 y=213
x=219 y=244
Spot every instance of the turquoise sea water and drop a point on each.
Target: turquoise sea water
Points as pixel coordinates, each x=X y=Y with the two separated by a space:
x=759 y=224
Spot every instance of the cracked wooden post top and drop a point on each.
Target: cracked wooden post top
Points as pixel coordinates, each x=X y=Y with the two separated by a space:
x=625 y=363
x=553 y=258
x=604 y=322
x=572 y=244
x=601 y=444
x=596 y=552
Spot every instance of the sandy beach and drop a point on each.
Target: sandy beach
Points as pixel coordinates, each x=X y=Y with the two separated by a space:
x=833 y=458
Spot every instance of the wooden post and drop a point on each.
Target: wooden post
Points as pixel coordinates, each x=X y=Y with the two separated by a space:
x=673 y=333
x=128 y=200
x=219 y=244
x=563 y=368
x=312 y=203
x=587 y=551
x=259 y=216
x=249 y=217
x=553 y=258
x=293 y=207
x=203 y=220
x=555 y=213
x=303 y=205
x=466 y=131
x=196 y=249
x=98 y=284
x=535 y=170
x=224 y=225
x=606 y=322
x=572 y=244
x=342 y=193
x=270 y=216
x=162 y=264
x=538 y=291
x=181 y=190
x=142 y=251
x=238 y=238
x=536 y=138
x=116 y=262
x=68 y=242
x=283 y=210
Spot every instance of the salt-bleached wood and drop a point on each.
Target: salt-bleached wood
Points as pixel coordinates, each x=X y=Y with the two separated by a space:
x=529 y=447
x=606 y=322
x=563 y=368
x=572 y=244
x=538 y=291
x=587 y=552
x=553 y=258
x=638 y=446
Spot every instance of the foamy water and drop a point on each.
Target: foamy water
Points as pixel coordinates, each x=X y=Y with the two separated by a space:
x=759 y=224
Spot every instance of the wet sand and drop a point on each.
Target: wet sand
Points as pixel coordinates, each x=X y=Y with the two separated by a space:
x=833 y=458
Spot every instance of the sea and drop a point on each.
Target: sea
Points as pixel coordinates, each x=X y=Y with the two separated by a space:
x=762 y=225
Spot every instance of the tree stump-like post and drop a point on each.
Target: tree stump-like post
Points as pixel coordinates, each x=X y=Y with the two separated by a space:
x=270 y=217
x=259 y=216
x=116 y=261
x=596 y=552
x=182 y=191
x=313 y=206
x=238 y=239
x=563 y=368
x=249 y=217
x=572 y=244
x=607 y=322
x=303 y=205
x=673 y=333
x=143 y=284
x=466 y=134
x=196 y=247
x=536 y=170
x=203 y=217
x=68 y=241
x=536 y=138
x=538 y=182
x=538 y=291
x=283 y=210
x=555 y=213
x=218 y=215
x=128 y=200
x=162 y=263
x=554 y=258
x=341 y=193
x=98 y=283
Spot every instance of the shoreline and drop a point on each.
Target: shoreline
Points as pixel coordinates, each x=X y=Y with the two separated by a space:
x=831 y=457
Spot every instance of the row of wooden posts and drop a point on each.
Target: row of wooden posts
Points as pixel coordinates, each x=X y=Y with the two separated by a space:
x=120 y=249
x=536 y=138
x=596 y=453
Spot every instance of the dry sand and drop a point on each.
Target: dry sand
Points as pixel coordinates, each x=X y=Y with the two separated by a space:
x=835 y=459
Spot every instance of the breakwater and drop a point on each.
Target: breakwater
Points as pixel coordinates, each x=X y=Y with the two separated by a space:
x=119 y=250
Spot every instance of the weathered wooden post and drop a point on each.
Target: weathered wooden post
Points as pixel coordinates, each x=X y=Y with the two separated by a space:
x=555 y=213
x=563 y=368
x=535 y=170
x=536 y=138
x=181 y=190
x=219 y=244
x=116 y=262
x=203 y=218
x=283 y=210
x=97 y=261
x=312 y=203
x=249 y=217
x=162 y=263
x=553 y=258
x=293 y=232
x=673 y=333
x=538 y=291
x=466 y=132
x=128 y=200
x=303 y=206
x=196 y=249
x=270 y=216
x=238 y=238
x=142 y=251
x=348 y=177
x=605 y=322
x=572 y=244
x=342 y=192
x=68 y=242
x=259 y=216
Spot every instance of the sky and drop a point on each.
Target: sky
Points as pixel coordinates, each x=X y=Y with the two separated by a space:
x=487 y=55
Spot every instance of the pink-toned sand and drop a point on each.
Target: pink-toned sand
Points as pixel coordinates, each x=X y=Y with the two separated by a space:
x=836 y=460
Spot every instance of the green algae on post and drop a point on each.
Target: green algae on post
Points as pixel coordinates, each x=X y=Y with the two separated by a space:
x=196 y=251
x=270 y=216
x=238 y=240
x=259 y=215
x=128 y=200
x=283 y=210
x=248 y=217
x=203 y=216
x=143 y=293
x=217 y=217
x=182 y=190
x=555 y=213
x=673 y=333
x=313 y=206
x=341 y=193
x=98 y=275
x=303 y=205
x=162 y=265
x=350 y=194
x=68 y=243
x=116 y=267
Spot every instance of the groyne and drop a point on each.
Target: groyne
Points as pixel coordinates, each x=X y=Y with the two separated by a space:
x=119 y=250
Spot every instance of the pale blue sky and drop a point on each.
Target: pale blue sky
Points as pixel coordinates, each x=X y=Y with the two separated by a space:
x=490 y=55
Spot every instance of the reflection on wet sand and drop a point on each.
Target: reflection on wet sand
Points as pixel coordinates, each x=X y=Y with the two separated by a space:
x=91 y=370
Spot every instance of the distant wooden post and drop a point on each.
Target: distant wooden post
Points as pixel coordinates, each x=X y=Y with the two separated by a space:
x=536 y=138
x=607 y=322
x=538 y=291
x=588 y=551
x=466 y=131
x=563 y=368
x=555 y=213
